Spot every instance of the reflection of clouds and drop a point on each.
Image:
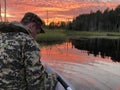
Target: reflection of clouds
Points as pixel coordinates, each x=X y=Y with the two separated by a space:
x=67 y=52
x=98 y=75
x=82 y=71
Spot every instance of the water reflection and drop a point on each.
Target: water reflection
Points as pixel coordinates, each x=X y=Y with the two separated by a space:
x=82 y=70
x=67 y=53
x=100 y=46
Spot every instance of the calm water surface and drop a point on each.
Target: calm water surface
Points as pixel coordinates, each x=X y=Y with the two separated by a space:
x=86 y=64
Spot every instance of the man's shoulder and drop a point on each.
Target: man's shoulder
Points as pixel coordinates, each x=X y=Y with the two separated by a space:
x=18 y=24
x=13 y=27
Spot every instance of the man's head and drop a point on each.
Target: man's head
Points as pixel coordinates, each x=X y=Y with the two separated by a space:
x=33 y=22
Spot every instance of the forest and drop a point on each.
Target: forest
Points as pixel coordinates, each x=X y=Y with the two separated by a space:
x=108 y=20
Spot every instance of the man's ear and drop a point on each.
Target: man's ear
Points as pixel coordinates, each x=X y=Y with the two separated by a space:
x=30 y=25
x=33 y=25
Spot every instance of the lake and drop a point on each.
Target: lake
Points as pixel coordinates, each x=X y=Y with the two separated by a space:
x=86 y=63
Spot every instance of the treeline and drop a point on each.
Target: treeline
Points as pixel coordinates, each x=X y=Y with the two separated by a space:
x=58 y=25
x=109 y=20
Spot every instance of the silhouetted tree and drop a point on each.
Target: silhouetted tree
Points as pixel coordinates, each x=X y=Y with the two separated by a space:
x=109 y=20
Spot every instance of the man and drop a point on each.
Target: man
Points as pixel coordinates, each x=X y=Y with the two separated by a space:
x=20 y=66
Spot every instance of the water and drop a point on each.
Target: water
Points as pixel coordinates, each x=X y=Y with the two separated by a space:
x=86 y=64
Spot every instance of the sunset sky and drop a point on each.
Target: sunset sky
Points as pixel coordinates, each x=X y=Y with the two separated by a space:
x=55 y=10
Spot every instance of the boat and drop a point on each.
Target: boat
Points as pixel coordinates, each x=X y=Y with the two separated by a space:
x=61 y=84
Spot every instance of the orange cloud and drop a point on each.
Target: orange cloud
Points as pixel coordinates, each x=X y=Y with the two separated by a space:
x=61 y=9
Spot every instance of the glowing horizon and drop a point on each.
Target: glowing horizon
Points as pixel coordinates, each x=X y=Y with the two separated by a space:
x=55 y=10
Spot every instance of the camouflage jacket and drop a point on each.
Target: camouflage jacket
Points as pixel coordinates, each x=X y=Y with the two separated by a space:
x=20 y=66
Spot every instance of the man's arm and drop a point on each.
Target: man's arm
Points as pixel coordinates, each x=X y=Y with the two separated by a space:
x=36 y=77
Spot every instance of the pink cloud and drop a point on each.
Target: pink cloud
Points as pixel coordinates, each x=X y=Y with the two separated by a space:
x=56 y=8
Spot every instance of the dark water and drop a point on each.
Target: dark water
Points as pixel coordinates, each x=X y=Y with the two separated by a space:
x=104 y=47
x=86 y=64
